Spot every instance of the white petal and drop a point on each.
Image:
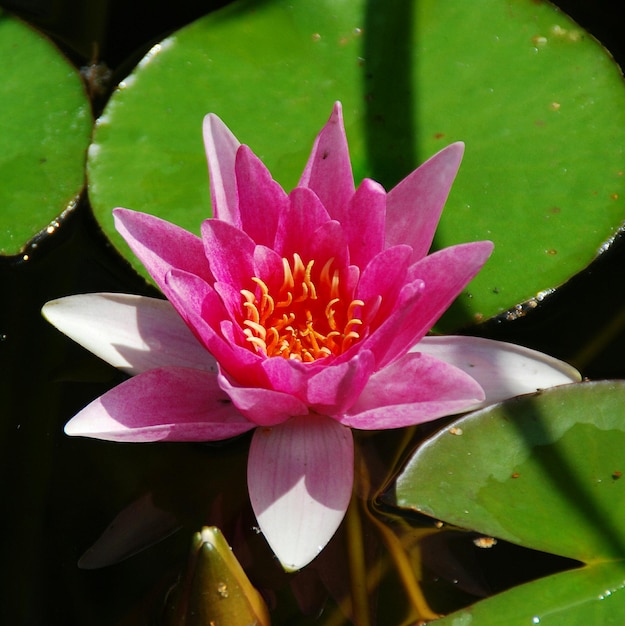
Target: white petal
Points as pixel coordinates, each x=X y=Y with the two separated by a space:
x=504 y=370
x=300 y=476
x=133 y=333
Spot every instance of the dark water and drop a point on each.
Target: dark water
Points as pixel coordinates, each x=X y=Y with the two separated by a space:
x=58 y=493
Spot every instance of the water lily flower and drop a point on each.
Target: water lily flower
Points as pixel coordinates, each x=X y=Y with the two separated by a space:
x=299 y=315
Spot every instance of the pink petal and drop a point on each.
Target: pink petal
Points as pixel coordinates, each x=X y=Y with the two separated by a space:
x=384 y=276
x=364 y=224
x=168 y=404
x=300 y=477
x=328 y=242
x=434 y=282
x=221 y=148
x=329 y=171
x=264 y=407
x=204 y=312
x=303 y=217
x=261 y=199
x=414 y=206
x=288 y=375
x=414 y=389
x=161 y=246
x=445 y=274
x=268 y=266
x=232 y=302
x=335 y=388
x=134 y=333
x=191 y=297
x=389 y=339
x=350 y=279
x=504 y=370
x=230 y=252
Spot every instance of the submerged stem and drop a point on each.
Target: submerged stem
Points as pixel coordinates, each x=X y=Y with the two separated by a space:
x=365 y=577
x=405 y=570
x=357 y=566
x=397 y=549
x=600 y=340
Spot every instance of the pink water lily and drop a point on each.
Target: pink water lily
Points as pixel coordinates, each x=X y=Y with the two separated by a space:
x=300 y=315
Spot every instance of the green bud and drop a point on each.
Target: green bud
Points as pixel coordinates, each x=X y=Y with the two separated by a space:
x=215 y=590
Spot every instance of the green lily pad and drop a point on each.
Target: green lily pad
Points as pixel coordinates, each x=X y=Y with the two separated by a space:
x=45 y=128
x=538 y=102
x=544 y=471
x=589 y=595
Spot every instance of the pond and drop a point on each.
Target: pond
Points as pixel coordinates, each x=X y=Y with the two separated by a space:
x=99 y=532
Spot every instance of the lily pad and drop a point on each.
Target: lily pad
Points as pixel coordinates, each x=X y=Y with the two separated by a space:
x=542 y=471
x=45 y=128
x=538 y=102
x=589 y=595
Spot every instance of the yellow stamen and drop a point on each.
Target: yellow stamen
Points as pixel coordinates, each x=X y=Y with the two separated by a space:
x=285 y=303
x=256 y=327
x=309 y=317
x=288 y=276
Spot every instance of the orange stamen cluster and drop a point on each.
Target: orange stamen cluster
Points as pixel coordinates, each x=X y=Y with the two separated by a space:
x=308 y=318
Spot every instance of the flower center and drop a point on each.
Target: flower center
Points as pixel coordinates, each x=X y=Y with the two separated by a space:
x=308 y=318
